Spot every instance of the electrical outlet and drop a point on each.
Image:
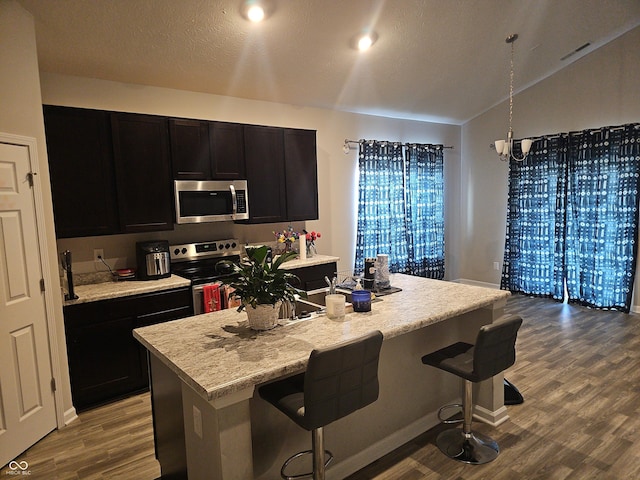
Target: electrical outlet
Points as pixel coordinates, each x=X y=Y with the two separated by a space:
x=98 y=253
x=197 y=421
x=496 y=265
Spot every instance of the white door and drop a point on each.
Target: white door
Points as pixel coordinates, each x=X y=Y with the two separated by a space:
x=27 y=406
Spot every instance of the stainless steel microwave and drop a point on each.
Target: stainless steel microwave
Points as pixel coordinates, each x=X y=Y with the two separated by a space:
x=202 y=201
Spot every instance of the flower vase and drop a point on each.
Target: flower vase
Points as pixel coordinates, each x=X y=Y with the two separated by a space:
x=311 y=250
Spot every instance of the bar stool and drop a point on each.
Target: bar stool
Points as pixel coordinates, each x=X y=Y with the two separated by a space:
x=493 y=352
x=338 y=381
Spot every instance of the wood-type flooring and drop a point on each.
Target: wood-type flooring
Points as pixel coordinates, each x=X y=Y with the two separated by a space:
x=578 y=370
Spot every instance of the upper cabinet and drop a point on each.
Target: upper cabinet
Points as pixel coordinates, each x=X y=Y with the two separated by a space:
x=227 y=151
x=190 y=156
x=202 y=150
x=264 y=157
x=301 y=174
x=282 y=174
x=81 y=170
x=143 y=172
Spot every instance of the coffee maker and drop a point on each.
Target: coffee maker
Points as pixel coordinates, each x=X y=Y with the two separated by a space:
x=153 y=259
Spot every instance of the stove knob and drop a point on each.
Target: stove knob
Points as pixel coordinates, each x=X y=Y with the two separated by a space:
x=220 y=247
x=176 y=251
x=233 y=245
x=227 y=246
x=184 y=251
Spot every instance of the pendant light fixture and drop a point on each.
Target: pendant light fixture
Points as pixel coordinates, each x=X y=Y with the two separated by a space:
x=505 y=147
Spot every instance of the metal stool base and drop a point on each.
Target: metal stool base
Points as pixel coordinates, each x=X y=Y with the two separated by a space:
x=473 y=448
x=285 y=476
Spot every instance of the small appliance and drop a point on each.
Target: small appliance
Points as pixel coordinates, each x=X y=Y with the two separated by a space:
x=211 y=201
x=153 y=259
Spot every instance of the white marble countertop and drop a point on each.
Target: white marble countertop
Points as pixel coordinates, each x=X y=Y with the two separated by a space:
x=124 y=288
x=217 y=354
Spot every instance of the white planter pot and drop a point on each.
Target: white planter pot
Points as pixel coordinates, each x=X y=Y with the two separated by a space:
x=263 y=317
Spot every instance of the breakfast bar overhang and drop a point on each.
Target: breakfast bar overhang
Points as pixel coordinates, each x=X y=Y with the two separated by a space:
x=209 y=421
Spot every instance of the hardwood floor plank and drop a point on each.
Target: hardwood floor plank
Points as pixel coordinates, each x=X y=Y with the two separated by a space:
x=578 y=370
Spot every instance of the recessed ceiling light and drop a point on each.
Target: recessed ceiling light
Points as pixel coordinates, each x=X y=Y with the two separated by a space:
x=257 y=10
x=364 y=41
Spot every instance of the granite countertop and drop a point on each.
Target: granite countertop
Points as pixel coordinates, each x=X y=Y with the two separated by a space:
x=309 y=262
x=217 y=354
x=105 y=290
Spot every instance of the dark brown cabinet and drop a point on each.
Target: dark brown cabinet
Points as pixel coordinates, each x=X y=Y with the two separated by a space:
x=281 y=173
x=202 y=150
x=105 y=361
x=227 y=151
x=143 y=172
x=264 y=161
x=81 y=170
x=301 y=174
x=312 y=278
x=190 y=156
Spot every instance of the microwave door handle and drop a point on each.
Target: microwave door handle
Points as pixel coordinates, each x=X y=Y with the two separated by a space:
x=234 y=201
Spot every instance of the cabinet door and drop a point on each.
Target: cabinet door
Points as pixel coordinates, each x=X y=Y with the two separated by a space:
x=264 y=156
x=312 y=278
x=227 y=150
x=104 y=361
x=301 y=174
x=190 y=156
x=81 y=170
x=141 y=154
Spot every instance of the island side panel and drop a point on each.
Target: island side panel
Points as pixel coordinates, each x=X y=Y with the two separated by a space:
x=168 y=424
x=217 y=436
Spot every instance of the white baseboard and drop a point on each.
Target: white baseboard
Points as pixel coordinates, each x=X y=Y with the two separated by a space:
x=70 y=416
x=476 y=283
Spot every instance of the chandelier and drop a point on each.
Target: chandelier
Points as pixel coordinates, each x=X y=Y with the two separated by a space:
x=505 y=147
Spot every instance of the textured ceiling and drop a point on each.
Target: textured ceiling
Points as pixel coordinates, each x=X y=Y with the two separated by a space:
x=435 y=60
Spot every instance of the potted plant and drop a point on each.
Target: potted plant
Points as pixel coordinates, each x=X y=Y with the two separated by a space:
x=262 y=286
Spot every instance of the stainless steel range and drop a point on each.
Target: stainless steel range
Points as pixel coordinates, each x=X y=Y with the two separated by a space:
x=198 y=262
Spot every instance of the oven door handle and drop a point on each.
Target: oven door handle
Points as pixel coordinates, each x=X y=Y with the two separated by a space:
x=234 y=202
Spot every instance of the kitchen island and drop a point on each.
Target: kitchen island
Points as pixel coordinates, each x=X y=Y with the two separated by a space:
x=209 y=420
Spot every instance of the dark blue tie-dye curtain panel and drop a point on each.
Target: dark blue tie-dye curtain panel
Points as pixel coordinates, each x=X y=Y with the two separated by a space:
x=381 y=205
x=534 y=246
x=572 y=218
x=425 y=210
x=602 y=217
x=401 y=207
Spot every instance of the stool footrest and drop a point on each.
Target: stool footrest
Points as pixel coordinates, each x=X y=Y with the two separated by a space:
x=328 y=454
x=448 y=407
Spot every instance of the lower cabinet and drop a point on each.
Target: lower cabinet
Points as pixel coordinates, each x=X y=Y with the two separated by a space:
x=105 y=361
x=312 y=278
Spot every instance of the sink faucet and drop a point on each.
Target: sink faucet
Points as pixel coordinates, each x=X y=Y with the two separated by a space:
x=332 y=284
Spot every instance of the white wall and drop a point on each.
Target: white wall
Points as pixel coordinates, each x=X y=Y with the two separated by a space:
x=21 y=114
x=337 y=179
x=599 y=89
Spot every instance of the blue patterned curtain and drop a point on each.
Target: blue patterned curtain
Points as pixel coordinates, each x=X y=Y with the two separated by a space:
x=602 y=217
x=534 y=245
x=401 y=207
x=572 y=218
x=425 y=211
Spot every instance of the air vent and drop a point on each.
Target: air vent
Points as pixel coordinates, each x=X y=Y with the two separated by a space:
x=575 y=51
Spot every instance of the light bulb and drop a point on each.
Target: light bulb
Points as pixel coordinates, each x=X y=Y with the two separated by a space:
x=255 y=13
x=364 y=43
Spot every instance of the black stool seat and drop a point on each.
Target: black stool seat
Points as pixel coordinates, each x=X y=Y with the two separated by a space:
x=493 y=352
x=338 y=381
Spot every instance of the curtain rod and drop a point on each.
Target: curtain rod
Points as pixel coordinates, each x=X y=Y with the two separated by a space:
x=347 y=144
